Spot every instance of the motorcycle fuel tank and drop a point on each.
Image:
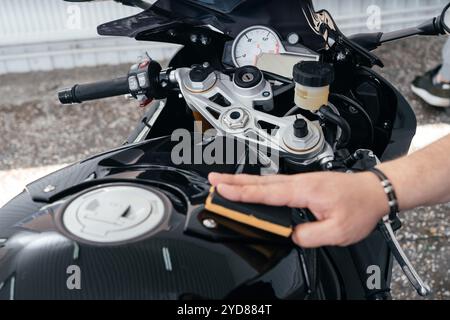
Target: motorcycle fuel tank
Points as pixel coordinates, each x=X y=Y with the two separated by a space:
x=128 y=224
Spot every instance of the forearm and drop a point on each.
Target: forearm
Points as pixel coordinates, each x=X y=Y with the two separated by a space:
x=422 y=178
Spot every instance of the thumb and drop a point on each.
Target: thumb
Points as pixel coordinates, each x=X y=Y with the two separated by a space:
x=314 y=234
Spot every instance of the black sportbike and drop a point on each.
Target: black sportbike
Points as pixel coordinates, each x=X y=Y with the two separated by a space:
x=272 y=83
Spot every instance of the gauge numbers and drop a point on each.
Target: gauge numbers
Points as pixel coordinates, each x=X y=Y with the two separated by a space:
x=252 y=42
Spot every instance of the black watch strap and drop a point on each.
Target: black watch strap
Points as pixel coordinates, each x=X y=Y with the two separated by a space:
x=390 y=192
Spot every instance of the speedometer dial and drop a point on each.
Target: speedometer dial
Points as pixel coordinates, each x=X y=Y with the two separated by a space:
x=252 y=42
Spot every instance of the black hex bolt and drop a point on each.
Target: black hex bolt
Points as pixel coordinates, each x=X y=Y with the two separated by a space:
x=301 y=128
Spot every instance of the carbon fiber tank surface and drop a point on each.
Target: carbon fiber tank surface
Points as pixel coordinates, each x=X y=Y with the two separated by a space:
x=41 y=259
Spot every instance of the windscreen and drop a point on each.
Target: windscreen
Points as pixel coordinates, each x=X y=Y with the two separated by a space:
x=225 y=6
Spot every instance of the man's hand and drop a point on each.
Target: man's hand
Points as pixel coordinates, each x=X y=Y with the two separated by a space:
x=347 y=206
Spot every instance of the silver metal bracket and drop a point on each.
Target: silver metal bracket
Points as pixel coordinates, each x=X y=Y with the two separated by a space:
x=241 y=117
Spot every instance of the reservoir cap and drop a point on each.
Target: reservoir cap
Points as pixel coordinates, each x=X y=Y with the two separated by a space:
x=313 y=74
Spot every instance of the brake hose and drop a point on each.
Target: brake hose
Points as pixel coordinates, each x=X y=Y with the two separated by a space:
x=328 y=114
x=358 y=107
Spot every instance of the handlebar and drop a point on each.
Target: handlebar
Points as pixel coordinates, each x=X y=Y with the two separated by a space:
x=92 y=91
x=142 y=82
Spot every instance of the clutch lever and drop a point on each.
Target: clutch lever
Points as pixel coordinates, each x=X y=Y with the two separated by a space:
x=363 y=160
x=385 y=227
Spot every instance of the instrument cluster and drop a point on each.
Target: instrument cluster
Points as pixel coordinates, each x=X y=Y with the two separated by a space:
x=263 y=47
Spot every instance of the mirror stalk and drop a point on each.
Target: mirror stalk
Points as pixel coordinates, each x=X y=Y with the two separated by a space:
x=428 y=28
x=434 y=27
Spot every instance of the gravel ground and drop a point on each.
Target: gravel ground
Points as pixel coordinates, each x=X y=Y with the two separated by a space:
x=36 y=131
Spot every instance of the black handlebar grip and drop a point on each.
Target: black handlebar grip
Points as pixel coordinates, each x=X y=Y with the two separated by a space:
x=93 y=91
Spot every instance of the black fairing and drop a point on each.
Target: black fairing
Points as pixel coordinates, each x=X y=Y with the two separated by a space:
x=173 y=20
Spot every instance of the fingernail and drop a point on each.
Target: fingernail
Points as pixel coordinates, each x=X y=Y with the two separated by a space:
x=299 y=236
x=294 y=238
x=222 y=189
x=212 y=175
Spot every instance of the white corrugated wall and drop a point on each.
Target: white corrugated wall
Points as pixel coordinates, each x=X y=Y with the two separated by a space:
x=51 y=34
x=354 y=15
x=31 y=21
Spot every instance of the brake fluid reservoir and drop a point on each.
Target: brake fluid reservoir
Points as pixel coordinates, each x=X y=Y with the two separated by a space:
x=312 y=84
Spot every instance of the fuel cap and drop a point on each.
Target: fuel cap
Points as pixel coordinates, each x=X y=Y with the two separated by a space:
x=112 y=214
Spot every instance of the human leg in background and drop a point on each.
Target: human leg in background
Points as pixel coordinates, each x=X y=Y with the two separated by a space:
x=434 y=86
x=444 y=73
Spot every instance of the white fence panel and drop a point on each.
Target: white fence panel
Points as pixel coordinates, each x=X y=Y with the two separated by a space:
x=51 y=34
x=32 y=21
x=353 y=15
